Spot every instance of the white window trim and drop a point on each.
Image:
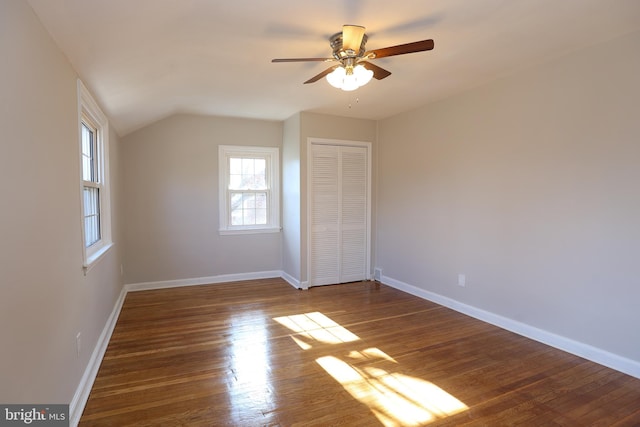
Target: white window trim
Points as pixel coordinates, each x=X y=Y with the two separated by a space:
x=87 y=107
x=273 y=154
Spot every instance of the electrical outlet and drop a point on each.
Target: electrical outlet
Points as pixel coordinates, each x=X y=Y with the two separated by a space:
x=462 y=280
x=78 y=343
x=377 y=274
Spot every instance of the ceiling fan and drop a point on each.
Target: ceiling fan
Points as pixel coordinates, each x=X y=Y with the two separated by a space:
x=353 y=68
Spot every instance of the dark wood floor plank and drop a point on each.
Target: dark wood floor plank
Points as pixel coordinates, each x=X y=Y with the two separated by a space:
x=226 y=354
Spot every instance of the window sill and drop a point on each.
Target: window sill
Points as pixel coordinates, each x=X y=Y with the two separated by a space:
x=92 y=260
x=230 y=231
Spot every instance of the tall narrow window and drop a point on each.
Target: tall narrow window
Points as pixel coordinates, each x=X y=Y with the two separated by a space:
x=91 y=184
x=93 y=135
x=249 y=189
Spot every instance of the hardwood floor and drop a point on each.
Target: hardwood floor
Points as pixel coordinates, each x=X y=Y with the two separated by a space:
x=260 y=353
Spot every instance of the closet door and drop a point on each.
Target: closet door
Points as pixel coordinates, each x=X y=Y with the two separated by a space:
x=324 y=236
x=353 y=214
x=338 y=224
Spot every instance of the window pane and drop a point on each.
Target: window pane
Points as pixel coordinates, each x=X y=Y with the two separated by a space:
x=236 y=201
x=260 y=166
x=246 y=182
x=235 y=166
x=260 y=182
x=261 y=216
x=236 y=208
x=236 y=216
x=261 y=208
x=249 y=201
x=248 y=208
x=261 y=200
x=88 y=154
x=91 y=215
x=235 y=182
x=247 y=173
x=249 y=217
x=248 y=166
x=86 y=168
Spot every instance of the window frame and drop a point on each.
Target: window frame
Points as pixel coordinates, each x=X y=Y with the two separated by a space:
x=90 y=114
x=272 y=157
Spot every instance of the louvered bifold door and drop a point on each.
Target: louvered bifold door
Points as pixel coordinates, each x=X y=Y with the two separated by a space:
x=338 y=214
x=353 y=212
x=324 y=226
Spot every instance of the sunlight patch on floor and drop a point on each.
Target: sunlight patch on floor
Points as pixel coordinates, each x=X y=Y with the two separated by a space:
x=316 y=326
x=371 y=354
x=302 y=344
x=395 y=399
x=372 y=376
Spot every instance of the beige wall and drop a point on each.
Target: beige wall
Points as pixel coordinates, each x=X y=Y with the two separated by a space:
x=530 y=187
x=171 y=199
x=291 y=193
x=45 y=297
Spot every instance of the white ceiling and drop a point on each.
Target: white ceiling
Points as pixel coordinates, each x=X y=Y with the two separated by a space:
x=148 y=59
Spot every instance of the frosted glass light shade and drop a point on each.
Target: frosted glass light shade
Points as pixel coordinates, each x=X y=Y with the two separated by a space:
x=350 y=82
x=363 y=76
x=336 y=77
x=342 y=79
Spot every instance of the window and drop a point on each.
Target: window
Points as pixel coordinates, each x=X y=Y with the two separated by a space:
x=91 y=183
x=95 y=207
x=249 y=189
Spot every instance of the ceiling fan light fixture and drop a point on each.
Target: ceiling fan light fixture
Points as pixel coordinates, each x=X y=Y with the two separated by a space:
x=350 y=82
x=336 y=77
x=349 y=52
x=362 y=75
x=350 y=78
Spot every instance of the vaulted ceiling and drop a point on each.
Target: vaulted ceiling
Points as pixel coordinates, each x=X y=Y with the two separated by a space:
x=148 y=59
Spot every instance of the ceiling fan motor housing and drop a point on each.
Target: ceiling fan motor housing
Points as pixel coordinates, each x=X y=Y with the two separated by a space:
x=339 y=53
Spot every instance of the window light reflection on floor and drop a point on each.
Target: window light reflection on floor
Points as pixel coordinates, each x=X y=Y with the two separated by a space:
x=248 y=361
x=317 y=327
x=395 y=399
x=371 y=353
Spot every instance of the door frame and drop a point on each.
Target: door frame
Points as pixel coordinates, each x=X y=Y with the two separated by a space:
x=346 y=143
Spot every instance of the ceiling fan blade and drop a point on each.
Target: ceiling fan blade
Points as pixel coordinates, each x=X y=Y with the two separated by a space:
x=379 y=73
x=321 y=75
x=352 y=37
x=302 y=59
x=400 y=49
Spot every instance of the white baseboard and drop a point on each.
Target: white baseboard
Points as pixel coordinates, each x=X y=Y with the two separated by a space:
x=291 y=280
x=294 y=282
x=597 y=355
x=80 y=397
x=222 y=278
